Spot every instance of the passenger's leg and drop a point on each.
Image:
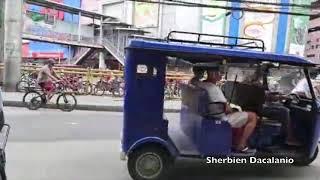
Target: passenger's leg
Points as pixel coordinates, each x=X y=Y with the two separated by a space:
x=248 y=130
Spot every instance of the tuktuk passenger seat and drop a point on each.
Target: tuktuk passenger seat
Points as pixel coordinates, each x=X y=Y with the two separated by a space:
x=242 y=95
x=248 y=97
x=212 y=136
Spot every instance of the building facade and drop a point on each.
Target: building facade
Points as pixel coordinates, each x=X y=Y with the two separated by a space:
x=2 y=30
x=313 y=40
x=48 y=22
x=281 y=33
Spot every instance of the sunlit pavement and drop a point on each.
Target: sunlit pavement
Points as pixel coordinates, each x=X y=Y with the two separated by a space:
x=92 y=100
x=83 y=145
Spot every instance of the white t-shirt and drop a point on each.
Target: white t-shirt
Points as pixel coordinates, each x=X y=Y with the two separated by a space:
x=214 y=92
x=237 y=119
x=302 y=87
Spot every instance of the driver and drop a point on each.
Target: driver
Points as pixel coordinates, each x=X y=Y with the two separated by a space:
x=273 y=108
x=302 y=88
x=247 y=120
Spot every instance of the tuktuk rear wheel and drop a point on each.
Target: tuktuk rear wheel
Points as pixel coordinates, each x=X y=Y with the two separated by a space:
x=149 y=163
x=306 y=161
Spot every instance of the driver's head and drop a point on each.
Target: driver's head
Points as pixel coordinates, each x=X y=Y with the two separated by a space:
x=214 y=74
x=313 y=74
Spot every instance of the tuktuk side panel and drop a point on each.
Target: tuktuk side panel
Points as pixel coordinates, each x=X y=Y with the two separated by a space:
x=144 y=92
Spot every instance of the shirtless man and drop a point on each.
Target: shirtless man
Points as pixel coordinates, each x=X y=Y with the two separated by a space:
x=46 y=77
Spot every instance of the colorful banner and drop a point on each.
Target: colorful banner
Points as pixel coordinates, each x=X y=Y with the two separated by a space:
x=298 y=30
x=41 y=12
x=259 y=25
x=146 y=14
x=213 y=21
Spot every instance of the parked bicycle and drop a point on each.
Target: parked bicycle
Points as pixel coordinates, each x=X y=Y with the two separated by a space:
x=173 y=89
x=115 y=87
x=86 y=88
x=102 y=86
x=66 y=101
x=27 y=82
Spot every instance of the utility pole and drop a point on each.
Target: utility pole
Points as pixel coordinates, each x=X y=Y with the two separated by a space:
x=13 y=43
x=102 y=64
x=2 y=5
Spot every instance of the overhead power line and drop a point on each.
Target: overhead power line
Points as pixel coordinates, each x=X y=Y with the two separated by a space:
x=269 y=3
x=189 y=4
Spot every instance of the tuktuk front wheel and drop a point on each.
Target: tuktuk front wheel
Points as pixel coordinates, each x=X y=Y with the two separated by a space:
x=149 y=163
x=307 y=160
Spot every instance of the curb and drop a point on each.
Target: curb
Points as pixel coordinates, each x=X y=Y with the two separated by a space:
x=82 y=107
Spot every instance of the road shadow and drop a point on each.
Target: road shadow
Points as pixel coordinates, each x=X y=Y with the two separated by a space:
x=198 y=170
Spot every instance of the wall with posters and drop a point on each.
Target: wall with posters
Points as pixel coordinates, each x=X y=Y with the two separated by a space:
x=260 y=26
x=298 y=30
x=213 y=21
x=281 y=33
x=146 y=15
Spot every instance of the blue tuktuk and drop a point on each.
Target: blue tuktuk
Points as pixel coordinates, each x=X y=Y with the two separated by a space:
x=151 y=142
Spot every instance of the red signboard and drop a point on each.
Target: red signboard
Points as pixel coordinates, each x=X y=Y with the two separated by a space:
x=47 y=55
x=51 y=12
x=25 y=50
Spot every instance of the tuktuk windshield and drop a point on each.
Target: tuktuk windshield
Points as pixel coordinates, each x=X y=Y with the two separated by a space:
x=283 y=79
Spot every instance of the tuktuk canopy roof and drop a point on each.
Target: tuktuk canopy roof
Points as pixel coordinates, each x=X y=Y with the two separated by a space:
x=195 y=53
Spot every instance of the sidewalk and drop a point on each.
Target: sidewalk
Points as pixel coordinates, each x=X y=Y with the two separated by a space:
x=91 y=103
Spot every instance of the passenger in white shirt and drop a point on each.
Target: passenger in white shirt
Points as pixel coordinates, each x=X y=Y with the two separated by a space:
x=248 y=120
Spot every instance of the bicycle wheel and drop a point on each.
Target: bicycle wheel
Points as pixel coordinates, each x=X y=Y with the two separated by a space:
x=98 y=90
x=85 y=88
x=33 y=100
x=21 y=86
x=66 y=102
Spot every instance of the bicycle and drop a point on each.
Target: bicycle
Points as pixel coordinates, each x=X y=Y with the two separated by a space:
x=33 y=99
x=102 y=86
x=27 y=82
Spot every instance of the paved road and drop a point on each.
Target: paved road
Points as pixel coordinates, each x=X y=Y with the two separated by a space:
x=92 y=100
x=51 y=145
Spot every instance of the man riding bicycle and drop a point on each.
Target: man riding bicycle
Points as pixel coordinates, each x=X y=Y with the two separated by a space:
x=46 y=79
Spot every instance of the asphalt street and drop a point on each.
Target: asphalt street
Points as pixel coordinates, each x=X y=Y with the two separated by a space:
x=84 y=145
